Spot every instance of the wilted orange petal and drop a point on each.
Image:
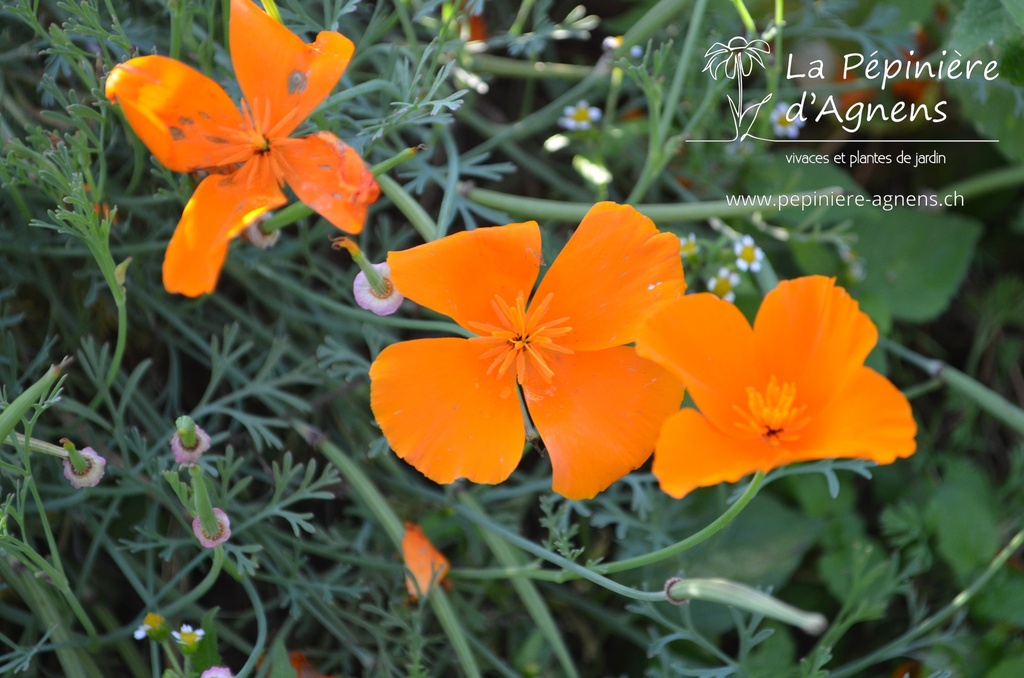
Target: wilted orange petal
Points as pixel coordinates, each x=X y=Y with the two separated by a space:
x=868 y=419
x=302 y=666
x=459 y=275
x=707 y=343
x=615 y=269
x=219 y=209
x=283 y=79
x=328 y=176
x=692 y=453
x=599 y=416
x=812 y=333
x=185 y=119
x=426 y=564
x=445 y=416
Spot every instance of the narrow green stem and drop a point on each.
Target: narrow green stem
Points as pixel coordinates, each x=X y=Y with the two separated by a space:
x=182 y=601
x=261 y=628
x=528 y=593
x=490 y=64
x=987 y=399
x=556 y=210
x=520 y=21
x=177 y=18
x=203 y=505
x=744 y=597
x=987 y=182
x=897 y=646
x=660 y=151
x=679 y=547
x=408 y=206
x=748 y=21
x=381 y=510
x=273 y=11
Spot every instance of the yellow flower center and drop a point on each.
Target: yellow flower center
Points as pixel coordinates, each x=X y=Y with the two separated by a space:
x=189 y=638
x=581 y=114
x=152 y=620
x=749 y=253
x=773 y=415
x=519 y=336
x=722 y=286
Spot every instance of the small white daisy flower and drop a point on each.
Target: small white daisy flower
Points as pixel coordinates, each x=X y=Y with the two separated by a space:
x=748 y=255
x=782 y=125
x=188 y=638
x=723 y=284
x=688 y=246
x=580 y=117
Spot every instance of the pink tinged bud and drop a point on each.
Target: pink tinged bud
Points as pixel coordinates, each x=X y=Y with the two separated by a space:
x=207 y=540
x=217 y=672
x=90 y=476
x=371 y=299
x=187 y=456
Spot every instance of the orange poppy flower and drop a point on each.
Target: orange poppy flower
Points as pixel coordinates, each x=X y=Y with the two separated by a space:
x=450 y=407
x=425 y=564
x=189 y=123
x=792 y=388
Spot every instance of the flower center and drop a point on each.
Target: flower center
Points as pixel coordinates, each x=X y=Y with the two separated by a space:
x=520 y=335
x=749 y=253
x=773 y=415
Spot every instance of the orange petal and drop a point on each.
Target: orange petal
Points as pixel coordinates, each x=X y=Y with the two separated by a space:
x=329 y=176
x=443 y=415
x=185 y=119
x=692 y=453
x=813 y=334
x=219 y=209
x=460 y=274
x=283 y=78
x=869 y=419
x=707 y=343
x=426 y=565
x=599 y=416
x=615 y=269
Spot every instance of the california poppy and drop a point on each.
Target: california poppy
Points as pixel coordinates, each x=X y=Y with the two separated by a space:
x=450 y=406
x=425 y=564
x=792 y=388
x=190 y=124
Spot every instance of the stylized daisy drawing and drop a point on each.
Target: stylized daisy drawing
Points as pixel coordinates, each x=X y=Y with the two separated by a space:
x=736 y=60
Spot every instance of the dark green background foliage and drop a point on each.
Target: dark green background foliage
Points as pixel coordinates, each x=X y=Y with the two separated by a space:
x=281 y=345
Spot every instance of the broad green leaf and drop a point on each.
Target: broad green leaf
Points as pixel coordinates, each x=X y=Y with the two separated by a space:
x=1012 y=667
x=915 y=260
x=996 y=111
x=962 y=519
x=1002 y=600
x=981 y=22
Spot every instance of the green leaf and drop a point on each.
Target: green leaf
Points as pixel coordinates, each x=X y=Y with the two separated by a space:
x=1012 y=667
x=915 y=260
x=1002 y=601
x=206 y=655
x=979 y=23
x=280 y=665
x=961 y=517
x=994 y=108
x=1016 y=10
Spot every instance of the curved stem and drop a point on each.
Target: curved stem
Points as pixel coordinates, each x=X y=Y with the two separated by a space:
x=688 y=543
x=557 y=210
x=896 y=647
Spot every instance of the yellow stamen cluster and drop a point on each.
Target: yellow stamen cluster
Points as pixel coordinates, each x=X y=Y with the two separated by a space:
x=521 y=334
x=773 y=415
